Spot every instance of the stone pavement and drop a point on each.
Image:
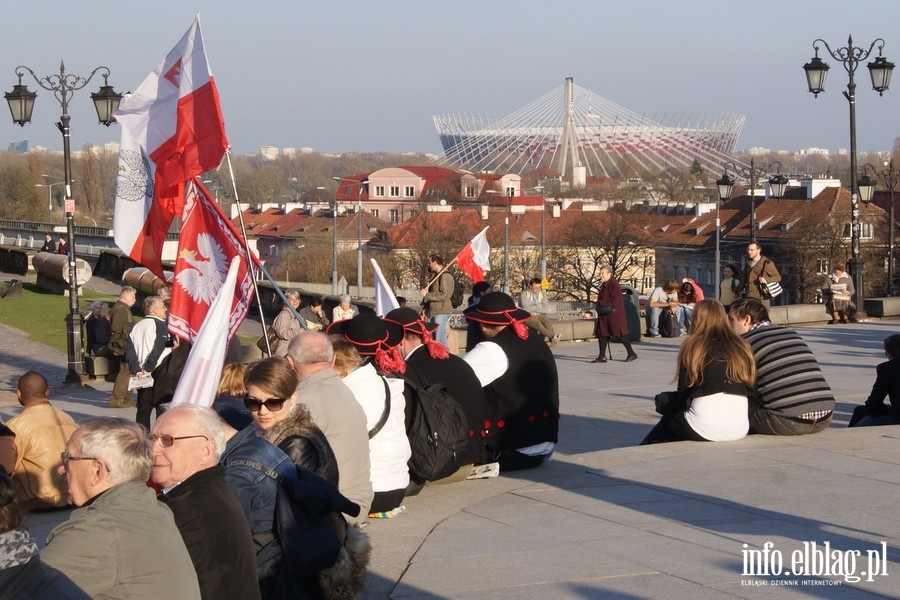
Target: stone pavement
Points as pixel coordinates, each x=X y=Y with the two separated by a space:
x=607 y=519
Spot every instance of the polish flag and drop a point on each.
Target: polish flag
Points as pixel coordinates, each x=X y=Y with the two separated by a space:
x=207 y=244
x=172 y=130
x=474 y=258
x=203 y=368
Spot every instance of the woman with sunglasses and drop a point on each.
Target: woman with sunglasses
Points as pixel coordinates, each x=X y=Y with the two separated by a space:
x=271 y=399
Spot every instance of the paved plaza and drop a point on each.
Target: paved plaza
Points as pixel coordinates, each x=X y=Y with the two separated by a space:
x=607 y=519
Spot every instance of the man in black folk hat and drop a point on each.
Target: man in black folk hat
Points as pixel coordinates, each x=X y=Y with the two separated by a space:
x=429 y=361
x=520 y=380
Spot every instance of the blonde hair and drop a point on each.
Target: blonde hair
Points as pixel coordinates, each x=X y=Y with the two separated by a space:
x=346 y=357
x=231 y=383
x=710 y=333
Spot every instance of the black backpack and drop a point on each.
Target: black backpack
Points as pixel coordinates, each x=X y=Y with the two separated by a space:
x=438 y=430
x=668 y=324
x=312 y=545
x=456 y=298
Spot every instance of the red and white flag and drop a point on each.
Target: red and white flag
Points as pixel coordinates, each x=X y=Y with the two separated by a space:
x=207 y=244
x=172 y=130
x=203 y=368
x=475 y=258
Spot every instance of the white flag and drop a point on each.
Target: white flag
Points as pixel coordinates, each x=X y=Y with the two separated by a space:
x=385 y=301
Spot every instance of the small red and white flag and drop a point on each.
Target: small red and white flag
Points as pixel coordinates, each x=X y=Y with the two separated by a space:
x=207 y=244
x=203 y=368
x=475 y=258
x=172 y=130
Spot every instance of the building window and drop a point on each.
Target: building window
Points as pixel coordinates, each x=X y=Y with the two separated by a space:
x=395 y=215
x=374 y=212
x=866 y=231
x=822 y=267
x=409 y=191
x=413 y=212
x=510 y=191
x=470 y=191
x=379 y=191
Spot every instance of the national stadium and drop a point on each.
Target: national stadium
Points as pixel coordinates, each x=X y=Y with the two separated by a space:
x=571 y=127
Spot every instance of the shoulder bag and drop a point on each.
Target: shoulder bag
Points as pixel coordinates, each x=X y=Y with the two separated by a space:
x=771 y=289
x=274 y=340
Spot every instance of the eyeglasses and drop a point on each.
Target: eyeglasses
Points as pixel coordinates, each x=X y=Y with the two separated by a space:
x=65 y=457
x=272 y=404
x=165 y=440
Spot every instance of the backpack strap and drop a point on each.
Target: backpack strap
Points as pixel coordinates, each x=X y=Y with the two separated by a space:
x=422 y=380
x=387 y=410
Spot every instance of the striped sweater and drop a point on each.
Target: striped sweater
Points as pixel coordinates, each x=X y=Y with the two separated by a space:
x=789 y=381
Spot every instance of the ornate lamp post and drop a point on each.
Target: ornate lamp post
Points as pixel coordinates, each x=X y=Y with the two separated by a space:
x=21 y=104
x=880 y=72
x=777 y=184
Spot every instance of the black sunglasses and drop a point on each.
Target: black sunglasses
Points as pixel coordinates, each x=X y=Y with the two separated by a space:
x=272 y=404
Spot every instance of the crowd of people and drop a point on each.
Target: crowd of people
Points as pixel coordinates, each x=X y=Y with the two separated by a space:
x=263 y=494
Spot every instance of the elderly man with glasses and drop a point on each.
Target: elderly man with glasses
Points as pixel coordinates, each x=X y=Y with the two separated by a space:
x=187 y=441
x=122 y=542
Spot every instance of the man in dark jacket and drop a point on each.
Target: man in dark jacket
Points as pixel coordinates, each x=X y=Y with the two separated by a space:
x=187 y=442
x=887 y=385
x=520 y=380
x=121 y=323
x=430 y=361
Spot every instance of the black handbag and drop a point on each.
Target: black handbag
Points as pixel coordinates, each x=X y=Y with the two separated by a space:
x=605 y=309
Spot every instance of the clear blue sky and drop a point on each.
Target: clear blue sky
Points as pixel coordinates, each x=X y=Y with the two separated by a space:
x=368 y=75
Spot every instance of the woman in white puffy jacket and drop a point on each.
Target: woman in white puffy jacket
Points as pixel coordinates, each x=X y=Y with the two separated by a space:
x=359 y=347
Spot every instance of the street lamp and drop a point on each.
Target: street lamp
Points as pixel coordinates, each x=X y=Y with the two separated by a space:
x=505 y=287
x=49 y=187
x=540 y=190
x=106 y=101
x=724 y=184
x=334 y=254
x=880 y=72
x=359 y=251
x=753 y=174
x=890 y=177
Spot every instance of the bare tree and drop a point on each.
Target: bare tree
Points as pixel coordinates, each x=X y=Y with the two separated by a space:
x=817 y=244
x=591 y=241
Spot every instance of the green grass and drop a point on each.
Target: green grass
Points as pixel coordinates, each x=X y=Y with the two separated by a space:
x=42 y=315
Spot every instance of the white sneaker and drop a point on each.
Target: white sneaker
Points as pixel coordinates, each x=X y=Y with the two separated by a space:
x=485 y=471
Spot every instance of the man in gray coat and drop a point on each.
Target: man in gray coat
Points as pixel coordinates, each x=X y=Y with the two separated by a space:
x=122 y=542
x=335 y=410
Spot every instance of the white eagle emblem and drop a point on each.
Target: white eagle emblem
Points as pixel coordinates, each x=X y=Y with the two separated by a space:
x=202 y=282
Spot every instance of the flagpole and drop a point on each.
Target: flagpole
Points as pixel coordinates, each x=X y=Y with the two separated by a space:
x=256 y=267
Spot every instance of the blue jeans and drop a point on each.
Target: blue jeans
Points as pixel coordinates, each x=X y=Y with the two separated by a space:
x=440 y=334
